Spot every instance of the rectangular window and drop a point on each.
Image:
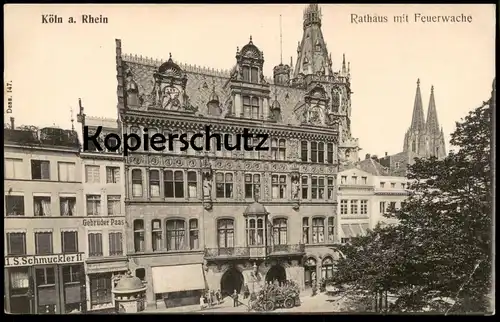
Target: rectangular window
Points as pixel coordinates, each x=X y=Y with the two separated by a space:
x=392 y=205
x=318 y=188
x=247 y=107
x=95 y=244
x=194 y=240
x=224 y=185
x=66 y=171
x=68 y=206
x=329 y=153
x=252 y=186
x=331 y=188
x=305 y=187
x=318 y=230
x=278 y=183
x=139 y=235
x=45 y=278
x=154 y=183
x=100 y=289
x=354 y=207
x=13 y=168
x=14 y=205
x=321 y=152
x=364 y=207
x=343 y=207
x=40 y=170
x=41 y=206
x=115 y=244
x=112 y=174
x=304 y=151
x=176 y=232
x=93 y=205
x=354 y=180
x=114 y=205
x=255 y=108
x=92 y=174
x=69 y=240
x=403 y=186
x=382 y=184
x=343 y=179
x=254 y=75
x=174 y=184
x=314 y=151
x=246 y=74
x=16 y=244
x=382 y=207
x=192 y=181
x=393 y=185
x=136 y=183
x=43 y=243
x=363 y=180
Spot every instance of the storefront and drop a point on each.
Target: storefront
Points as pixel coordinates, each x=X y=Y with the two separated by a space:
x=178 y=285
x=48 y=284
x=102 y=276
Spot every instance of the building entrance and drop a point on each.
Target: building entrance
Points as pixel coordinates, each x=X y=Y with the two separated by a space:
x=231 y=280
x=276 y=272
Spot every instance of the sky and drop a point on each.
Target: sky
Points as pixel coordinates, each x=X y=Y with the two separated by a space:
x=51 y=66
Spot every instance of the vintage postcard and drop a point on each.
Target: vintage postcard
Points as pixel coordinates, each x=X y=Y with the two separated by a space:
x=237 y=158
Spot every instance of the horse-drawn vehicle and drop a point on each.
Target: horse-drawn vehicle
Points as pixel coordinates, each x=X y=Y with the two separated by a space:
x=271 y=297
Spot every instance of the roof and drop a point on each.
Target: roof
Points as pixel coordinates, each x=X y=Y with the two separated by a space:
x=129 y=283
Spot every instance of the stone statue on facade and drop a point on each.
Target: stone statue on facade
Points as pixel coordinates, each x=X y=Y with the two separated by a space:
x=207 y=188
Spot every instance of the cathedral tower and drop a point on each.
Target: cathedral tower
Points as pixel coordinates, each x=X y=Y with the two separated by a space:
x=424 y=138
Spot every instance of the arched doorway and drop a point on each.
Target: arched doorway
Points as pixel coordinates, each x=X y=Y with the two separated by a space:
x=231 y=280
x=276 y=272
x=310 y=272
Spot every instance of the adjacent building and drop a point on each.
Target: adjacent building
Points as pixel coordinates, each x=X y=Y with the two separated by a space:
x=366 y=191
x=229 y=217
x=43 y=236
x=103 y=219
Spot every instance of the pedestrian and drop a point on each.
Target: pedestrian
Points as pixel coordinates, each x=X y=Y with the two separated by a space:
x=218 y=296
x=246 y=292
x=235 y=298
x=202 y=302
x=212 y=297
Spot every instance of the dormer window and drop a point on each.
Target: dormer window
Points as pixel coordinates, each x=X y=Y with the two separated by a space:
x=251 y=107
x=250 y=74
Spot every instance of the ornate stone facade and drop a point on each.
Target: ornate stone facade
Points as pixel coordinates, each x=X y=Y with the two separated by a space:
x=306 y=113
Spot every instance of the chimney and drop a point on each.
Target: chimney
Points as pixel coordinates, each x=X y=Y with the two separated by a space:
x=12 y=123
x=367 y=156
x=386 y=154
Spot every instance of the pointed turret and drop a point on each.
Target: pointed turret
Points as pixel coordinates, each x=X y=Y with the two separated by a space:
x=432 y=123
x=344 y=69
x=417 y=120
x=312 y=55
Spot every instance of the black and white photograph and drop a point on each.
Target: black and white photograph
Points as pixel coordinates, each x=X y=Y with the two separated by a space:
x=249 y=158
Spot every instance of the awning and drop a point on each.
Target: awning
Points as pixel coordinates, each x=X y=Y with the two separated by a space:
x=178 y=278
x=347 y=231
x=364 y=229
x=356 y=230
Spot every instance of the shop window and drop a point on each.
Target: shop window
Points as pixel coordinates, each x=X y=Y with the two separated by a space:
x=141 y=274
x=72 y=277
x=46 y=290
x=20 y=290
x=100 y=290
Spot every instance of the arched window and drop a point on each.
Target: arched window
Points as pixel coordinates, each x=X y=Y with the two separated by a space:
x=225 y=233
x=310 y=272
x=136 y=183
x=176 y=231
x=156 y=233
x=327 y=268
x=139 y=235
x=194 y=240
x=251 y=232
x=318 y=230
x=305 y=230
x=133 y=140
x=154 y=183
x=280 y=231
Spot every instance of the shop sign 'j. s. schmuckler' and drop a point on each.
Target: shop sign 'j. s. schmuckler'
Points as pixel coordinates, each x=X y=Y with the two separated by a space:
x=31 y=260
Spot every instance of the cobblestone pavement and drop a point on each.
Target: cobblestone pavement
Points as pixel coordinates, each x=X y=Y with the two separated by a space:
x=319 y=303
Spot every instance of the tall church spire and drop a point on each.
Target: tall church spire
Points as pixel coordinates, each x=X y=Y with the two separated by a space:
x=432 y=123
x=312 y=55
x=418 y=120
